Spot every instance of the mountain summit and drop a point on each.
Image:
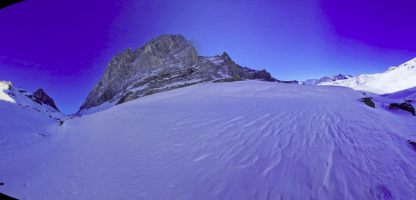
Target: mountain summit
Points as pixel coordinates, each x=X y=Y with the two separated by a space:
x=164 y=63
x=40 y=97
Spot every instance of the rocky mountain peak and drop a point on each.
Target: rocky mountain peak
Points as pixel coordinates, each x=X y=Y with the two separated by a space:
x=225 y=56
x=166 y=44
x=164 y=63
x=40 y=97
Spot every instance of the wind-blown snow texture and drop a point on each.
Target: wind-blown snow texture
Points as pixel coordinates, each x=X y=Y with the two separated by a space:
x=395 y=79
x=238 y=140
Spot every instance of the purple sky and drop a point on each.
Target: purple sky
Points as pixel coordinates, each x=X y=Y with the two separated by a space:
x=63 y=46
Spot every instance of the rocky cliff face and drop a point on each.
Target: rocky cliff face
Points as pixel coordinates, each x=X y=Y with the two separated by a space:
x=40 y=97
x=166 y=62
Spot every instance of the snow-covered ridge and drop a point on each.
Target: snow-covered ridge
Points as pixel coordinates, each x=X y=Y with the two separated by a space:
x=393 y=80
x=38 y=100
x=326 y=79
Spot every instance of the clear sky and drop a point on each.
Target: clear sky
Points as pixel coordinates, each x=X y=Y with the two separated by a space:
x=63 y=46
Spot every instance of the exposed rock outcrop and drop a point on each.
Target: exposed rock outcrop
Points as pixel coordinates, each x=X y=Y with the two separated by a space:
x=369 y=102
x=412 y=143
x=166 y=62
x=407 y=106
x=40 y=97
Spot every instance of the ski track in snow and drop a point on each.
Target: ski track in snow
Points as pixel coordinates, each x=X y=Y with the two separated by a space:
x=242 y=140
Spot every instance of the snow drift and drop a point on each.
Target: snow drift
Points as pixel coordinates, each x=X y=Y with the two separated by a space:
x=238 y=140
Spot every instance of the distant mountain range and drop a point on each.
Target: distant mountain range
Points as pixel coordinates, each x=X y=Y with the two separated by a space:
x=393 y=80
x=326 y=79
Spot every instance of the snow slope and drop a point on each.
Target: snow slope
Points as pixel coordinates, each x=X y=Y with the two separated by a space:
x=409 y=94
x=22 y=126
x=237 y=140
x=23 y=122
x=395 y=79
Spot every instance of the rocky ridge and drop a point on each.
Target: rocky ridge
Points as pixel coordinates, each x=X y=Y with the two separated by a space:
x=38 y=101
x=164 y=63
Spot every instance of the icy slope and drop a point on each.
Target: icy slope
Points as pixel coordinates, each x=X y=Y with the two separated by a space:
x=238 y=140
x=395 y=79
